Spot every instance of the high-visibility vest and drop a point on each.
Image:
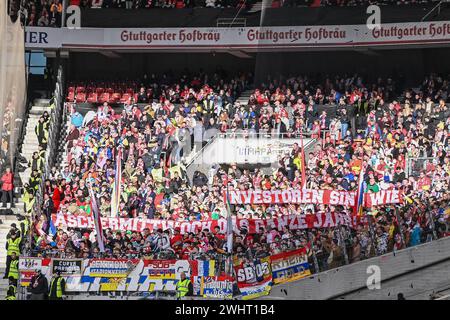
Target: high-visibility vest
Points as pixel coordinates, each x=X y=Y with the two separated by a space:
x=183 y=287
x=13 y=296
x=26 y=224
x=13 y=246
x=14 y=289
x=14 y=269
x=58 y=286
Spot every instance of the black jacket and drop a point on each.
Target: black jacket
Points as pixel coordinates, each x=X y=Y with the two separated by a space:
x=41 y=284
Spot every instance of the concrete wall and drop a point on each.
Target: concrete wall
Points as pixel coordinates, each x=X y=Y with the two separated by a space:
x=349 y=278
x=423 y=284
x=249 y=151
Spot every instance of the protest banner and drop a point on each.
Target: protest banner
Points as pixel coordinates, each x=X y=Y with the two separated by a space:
x=294 y=221
x=313 y=196
x=297 y=196
x=383 y=197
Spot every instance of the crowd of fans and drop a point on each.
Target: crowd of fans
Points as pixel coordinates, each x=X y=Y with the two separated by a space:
x=343 y=3
x=37 y=13
x=147 y=4
x=152 y=135
x=48 y=13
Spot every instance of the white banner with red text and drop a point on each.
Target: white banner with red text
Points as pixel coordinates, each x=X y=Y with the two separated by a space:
x=312 y=196
x=293 y=221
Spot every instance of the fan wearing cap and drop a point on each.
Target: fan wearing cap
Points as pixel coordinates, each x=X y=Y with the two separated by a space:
x=39 y=286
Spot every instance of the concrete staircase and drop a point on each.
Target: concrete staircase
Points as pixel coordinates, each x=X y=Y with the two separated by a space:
x=244 y=97
x=61 y=154
x=260 y=5
x=4 y=229
x=30 y=144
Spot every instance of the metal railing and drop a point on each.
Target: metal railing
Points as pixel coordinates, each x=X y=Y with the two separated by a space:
x=438 y=7
x=264 y=134
x=56 y=115
x=414 y=166
x=230 y=22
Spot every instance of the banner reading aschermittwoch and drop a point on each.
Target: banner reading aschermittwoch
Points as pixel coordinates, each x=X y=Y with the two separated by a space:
x=293 y=221
x=392 y=34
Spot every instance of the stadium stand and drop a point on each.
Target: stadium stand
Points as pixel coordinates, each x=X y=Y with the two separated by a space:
x=349 y=166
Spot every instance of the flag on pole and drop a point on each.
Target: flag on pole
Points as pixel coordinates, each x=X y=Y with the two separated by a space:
x=360 y=193
x=97 y=220
x=115 y=199
x=51 y=233
x=303 y=167
x=229 y=233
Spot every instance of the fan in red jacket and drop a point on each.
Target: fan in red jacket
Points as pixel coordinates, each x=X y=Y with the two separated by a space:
x=7 y=187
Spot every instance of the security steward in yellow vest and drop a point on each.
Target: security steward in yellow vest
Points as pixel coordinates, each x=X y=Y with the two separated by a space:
x=184 y=287
x=24 y=228
x=57 y=287
x=12 y=245
x=13 y=274
x=11 y=293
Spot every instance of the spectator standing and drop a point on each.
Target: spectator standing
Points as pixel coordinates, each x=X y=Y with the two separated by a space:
x=57 y=287
x=184 y=286
x=13 y=274
x=198 y=135
x=11 y=293
x=41 y=130
x=12 y=246
x=7 y=187
x=39 y=286
x=76 y=119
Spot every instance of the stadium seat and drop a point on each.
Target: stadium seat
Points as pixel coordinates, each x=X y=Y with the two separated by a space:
x=71 y=96
x=104 y=97
x=115 y=97
x=80 y=89
x=125 y=97
x=92 y=97
x=81 y=97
